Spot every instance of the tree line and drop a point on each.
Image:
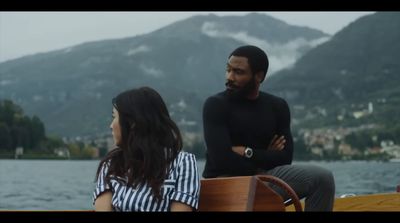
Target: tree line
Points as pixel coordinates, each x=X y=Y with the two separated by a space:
x=20 y=130
x=17 y=129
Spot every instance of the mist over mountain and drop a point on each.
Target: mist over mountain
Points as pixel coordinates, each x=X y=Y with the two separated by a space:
x=352 y=79
x=71 y=89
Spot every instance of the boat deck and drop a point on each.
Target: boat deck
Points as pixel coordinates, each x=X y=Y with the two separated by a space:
x=369 y=202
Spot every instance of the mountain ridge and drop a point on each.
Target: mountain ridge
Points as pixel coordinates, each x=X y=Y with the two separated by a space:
x=70 y=89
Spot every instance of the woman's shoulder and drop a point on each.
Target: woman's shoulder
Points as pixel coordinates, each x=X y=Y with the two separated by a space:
x=183 y=159
x=105 y=164
x=186 y=155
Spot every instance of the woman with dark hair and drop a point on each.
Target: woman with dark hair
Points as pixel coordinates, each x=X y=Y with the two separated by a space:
x=147 y=171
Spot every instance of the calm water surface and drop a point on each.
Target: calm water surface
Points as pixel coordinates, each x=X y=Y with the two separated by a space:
x=68 y=185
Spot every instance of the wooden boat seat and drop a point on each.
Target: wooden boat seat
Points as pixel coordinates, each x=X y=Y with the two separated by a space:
x=244 y=193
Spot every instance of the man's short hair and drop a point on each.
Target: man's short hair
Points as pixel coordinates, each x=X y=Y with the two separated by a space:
x=258 y=59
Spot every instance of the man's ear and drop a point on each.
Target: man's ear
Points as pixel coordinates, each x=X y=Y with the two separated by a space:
x=259 y=76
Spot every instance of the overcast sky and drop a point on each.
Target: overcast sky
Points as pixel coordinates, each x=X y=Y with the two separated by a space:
x=24 y=33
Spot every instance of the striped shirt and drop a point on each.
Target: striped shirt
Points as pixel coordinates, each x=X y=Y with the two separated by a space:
x=182 y=184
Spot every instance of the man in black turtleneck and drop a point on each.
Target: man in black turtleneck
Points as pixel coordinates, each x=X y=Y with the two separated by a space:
x=247 y=132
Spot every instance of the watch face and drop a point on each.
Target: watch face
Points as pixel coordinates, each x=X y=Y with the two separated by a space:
x=248 y=152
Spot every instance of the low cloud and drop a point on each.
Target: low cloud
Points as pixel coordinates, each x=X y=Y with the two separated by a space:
x=280 y=56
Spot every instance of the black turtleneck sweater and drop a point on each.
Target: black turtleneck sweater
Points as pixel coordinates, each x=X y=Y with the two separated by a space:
x=253 y=123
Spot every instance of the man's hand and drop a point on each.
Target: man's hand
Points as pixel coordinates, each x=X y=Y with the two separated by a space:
x=239 y=150
x=277 y=143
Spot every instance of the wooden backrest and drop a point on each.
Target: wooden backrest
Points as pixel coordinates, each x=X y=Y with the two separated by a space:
x=246 y=193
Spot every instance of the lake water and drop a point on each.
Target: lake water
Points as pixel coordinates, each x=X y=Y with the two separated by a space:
x=68 y=184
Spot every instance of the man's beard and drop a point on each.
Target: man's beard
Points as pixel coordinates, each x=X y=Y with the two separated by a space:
x=236 y=92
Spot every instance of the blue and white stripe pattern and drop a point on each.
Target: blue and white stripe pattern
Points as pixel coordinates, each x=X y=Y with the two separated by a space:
x=182 y=184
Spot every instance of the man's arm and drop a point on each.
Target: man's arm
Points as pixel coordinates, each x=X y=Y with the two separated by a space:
x=277 y=143
x=270 y=158
x=216 y=135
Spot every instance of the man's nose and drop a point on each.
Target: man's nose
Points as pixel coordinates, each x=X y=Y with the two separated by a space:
x=229 y=76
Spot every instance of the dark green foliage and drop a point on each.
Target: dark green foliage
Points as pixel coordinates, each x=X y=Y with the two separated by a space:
x=6 y=139
x=17 y=129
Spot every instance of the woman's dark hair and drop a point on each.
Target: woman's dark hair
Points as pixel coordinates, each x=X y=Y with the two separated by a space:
x=150 y=140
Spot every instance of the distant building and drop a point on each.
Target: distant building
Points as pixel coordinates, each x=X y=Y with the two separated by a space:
x=370 y=108
x=62 y=152
x=390 y=148
x=19 y=151
x=373 y=151
x=96 y=153
x=358 y=114
x=345 y=149
x=317 y=151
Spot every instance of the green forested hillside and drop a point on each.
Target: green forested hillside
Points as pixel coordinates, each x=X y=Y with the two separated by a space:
x=71 y=89
x=358 y=66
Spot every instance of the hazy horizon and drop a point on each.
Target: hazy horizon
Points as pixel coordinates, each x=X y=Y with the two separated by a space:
x=27 y=33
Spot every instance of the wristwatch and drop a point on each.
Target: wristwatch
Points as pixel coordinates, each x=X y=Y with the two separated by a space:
x=248 y=152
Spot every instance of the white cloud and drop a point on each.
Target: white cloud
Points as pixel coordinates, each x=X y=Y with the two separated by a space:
x=280 y=55
x=139 y=49
x=67 y=50
x=6 y=82
x=151 y=71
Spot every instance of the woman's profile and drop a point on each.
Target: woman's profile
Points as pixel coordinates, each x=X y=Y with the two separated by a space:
x=147 y=171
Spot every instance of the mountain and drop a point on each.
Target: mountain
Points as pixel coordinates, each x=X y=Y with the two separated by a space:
x=71 y=89
x=352 y=79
